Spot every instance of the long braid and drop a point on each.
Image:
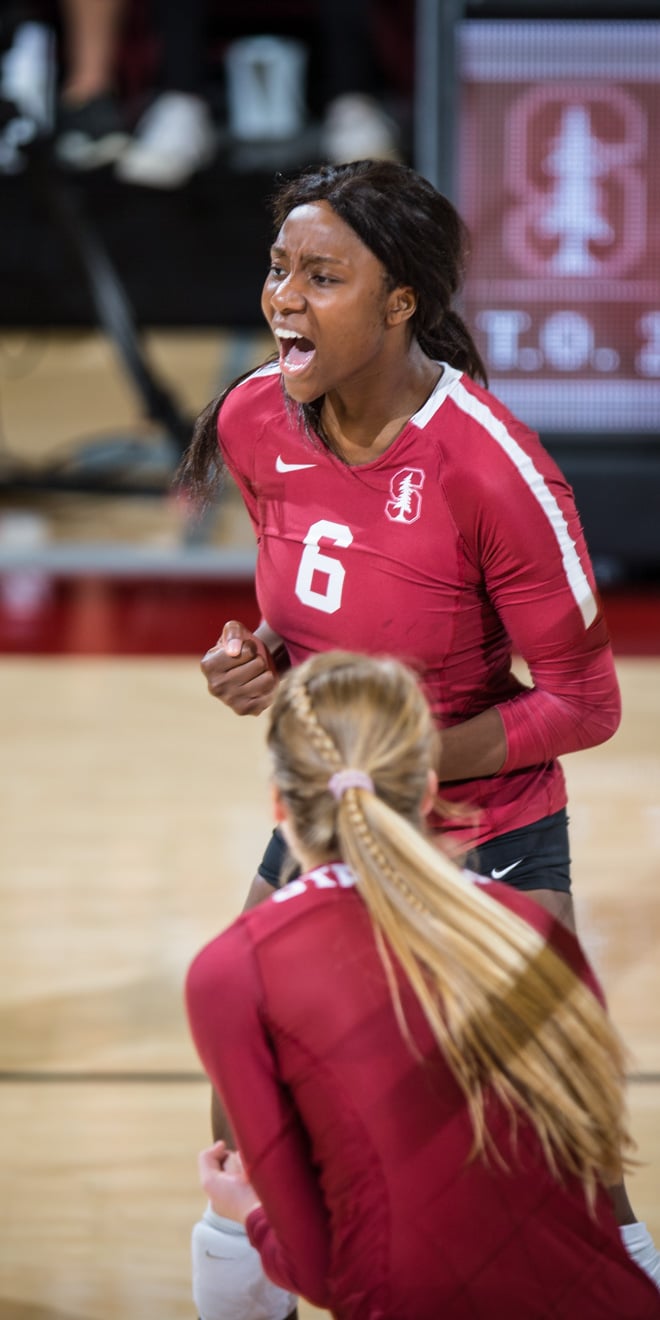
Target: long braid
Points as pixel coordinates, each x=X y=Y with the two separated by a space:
x=359 y=824
x=350 y=806
x=350 y=800
x=389 y=896
x=301 y=703
x=380 y=881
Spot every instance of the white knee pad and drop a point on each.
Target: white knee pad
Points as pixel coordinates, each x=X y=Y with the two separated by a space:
x=642 y=1249
x=227 y=1275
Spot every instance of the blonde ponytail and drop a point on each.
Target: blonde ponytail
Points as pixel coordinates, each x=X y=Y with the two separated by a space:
x=506 y=1010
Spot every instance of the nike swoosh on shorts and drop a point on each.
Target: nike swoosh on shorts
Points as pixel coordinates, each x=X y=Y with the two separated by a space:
x=497 y=875
x=281 y=466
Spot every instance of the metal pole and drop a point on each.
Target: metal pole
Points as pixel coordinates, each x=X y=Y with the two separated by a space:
x=107 y=293
x=436 y=91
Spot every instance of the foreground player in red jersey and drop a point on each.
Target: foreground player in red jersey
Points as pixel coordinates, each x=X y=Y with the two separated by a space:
x=396 y=1045
x=400 y=508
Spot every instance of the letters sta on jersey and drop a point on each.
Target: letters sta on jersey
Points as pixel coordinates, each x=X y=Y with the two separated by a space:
x=334 y=876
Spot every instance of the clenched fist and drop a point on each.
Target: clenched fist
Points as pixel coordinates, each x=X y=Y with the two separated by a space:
x=240 y=669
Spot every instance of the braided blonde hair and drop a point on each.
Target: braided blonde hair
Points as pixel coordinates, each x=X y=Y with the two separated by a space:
x=506 y=1010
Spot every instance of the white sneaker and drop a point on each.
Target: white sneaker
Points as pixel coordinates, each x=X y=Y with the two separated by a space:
x=174 y=139
x=355 y=127
x=27 y=76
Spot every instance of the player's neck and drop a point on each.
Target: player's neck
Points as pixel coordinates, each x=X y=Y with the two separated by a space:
x=362 y=423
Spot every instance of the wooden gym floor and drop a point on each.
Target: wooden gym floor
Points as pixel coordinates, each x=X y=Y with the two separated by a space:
x=132 y=810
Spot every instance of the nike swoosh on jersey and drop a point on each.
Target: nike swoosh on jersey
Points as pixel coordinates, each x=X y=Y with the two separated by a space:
x=497 y=875
x=281 y=466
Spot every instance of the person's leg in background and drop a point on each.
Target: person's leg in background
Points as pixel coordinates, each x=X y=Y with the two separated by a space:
x=176 y=136
x=92 y=29
x=89 y=129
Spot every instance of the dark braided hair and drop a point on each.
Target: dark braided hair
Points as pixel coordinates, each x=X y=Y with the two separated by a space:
x=420 y=240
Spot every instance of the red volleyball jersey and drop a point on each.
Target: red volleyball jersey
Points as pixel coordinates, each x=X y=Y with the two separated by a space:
x=359 y=1152
x=455 y=548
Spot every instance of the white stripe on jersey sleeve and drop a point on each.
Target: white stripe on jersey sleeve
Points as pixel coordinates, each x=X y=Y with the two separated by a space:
x=575 y=575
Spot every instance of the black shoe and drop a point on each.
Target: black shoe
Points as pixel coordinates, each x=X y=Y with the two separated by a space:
x=89 y=135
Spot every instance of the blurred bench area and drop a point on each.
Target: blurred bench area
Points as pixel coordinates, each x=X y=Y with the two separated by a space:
x=167 y=123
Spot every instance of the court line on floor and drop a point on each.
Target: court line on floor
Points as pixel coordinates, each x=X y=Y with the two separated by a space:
x=60 y=1076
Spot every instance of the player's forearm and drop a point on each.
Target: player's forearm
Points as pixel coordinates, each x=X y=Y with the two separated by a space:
x=533 y=728
x=475 y=749
x=540 y=727
x=575 y=703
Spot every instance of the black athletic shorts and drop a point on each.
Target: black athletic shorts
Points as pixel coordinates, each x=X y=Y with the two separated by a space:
x=533 y=857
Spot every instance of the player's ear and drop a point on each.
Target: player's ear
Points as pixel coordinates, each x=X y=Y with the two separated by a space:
x=279 y=811
x=283 y=822
x=401 y=304
x=431 y=792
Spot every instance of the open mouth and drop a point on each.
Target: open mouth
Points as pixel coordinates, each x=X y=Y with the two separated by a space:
x=296 y=352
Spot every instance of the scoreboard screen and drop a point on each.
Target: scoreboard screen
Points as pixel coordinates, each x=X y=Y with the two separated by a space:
x=559 y=182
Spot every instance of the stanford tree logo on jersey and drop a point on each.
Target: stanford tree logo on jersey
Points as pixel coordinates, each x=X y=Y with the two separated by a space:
x=405 y=490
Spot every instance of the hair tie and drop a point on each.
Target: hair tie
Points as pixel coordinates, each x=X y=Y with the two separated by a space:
x=343 y=779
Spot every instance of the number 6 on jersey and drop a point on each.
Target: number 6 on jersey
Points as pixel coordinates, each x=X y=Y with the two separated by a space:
x=313 y=561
